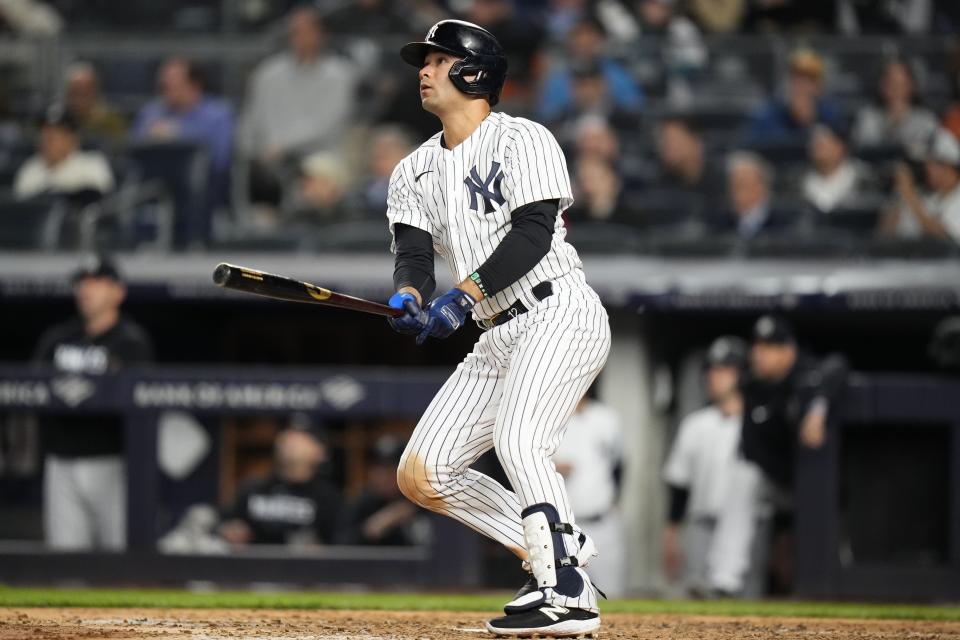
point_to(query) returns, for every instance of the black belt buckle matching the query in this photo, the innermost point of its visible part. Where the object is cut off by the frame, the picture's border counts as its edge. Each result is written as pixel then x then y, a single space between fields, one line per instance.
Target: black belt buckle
pixel 541 292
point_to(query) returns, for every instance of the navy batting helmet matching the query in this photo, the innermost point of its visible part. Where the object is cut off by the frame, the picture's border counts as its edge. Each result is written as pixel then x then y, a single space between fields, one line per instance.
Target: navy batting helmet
pixel 482 56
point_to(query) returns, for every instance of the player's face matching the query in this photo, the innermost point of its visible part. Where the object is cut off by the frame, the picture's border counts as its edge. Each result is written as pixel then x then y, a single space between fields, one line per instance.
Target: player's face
pixel 772 362
pixel 437 93
pixel 96 296
pixel 721 382
pixel 298 455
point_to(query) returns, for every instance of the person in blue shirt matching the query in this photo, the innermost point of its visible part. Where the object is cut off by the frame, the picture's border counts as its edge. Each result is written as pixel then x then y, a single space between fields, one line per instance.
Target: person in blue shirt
pixel 586 42
pixel 183 111
pixel 791 117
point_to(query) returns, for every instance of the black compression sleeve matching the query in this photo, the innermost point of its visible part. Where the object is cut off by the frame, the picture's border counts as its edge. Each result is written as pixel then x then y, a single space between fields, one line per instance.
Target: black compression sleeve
pixel 413 266
pixel 679 496
pixel 522 248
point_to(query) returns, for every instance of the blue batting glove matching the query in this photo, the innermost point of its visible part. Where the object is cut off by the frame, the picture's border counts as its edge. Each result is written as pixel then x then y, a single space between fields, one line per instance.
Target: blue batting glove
pixel 413 320
pixel 446 314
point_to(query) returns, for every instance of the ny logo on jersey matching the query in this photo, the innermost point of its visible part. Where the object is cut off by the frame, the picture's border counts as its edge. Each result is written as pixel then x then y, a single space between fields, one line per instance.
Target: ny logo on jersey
pixel 483 188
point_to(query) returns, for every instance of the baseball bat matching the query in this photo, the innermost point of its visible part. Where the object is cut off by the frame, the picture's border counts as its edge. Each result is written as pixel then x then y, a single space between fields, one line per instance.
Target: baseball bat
pixel 271 285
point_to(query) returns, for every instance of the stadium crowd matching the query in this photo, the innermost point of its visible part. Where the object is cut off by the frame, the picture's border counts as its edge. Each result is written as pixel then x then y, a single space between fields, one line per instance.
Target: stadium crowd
pixel 689 127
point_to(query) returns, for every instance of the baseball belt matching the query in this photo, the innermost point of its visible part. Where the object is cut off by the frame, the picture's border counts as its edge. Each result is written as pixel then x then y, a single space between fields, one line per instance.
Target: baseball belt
pixel 541 292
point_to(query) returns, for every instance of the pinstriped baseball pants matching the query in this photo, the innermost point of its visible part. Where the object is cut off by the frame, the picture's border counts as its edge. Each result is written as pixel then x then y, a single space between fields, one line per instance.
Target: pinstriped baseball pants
pixel 514 393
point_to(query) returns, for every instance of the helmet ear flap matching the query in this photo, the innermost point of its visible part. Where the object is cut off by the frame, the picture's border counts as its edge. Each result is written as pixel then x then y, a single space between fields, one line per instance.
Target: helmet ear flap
pixel 485 81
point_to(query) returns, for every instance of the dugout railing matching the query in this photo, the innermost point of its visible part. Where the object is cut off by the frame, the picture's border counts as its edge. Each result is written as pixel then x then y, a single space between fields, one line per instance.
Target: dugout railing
pixel 827 545
pixel 139 397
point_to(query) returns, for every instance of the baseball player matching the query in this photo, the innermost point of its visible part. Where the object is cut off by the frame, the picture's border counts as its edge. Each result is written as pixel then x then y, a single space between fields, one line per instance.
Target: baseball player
pixel 700 472
pixel 487 193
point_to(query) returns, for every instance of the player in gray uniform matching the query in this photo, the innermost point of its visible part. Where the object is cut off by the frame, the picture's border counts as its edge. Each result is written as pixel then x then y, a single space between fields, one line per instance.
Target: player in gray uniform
pixel 487 193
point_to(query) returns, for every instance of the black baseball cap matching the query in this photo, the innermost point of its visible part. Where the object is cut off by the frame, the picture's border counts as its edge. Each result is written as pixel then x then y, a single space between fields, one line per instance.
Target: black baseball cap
pixel 773 329
pixel 727 351
pixel 96 266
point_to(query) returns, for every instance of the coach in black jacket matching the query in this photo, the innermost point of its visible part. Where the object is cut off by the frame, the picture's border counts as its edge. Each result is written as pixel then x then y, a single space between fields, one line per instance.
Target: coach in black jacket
pixel 788 398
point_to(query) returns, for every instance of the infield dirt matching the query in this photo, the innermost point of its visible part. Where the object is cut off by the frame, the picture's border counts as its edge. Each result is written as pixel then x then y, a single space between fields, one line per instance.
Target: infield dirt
pixel 247 624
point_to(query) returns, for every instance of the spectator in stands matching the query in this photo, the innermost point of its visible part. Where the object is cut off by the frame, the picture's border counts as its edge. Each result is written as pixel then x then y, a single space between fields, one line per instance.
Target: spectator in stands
pixel 789 119
pixel 702 459
pixel 718 16
pixel 60 167
pixel 323 189
pixel 684 163
pixel 95 117
pixel 585 52
pixel 184 111
pixel 937 213
pixel 834 179
pixel 591 97
pixel 380 515
pixel 30 18
pixel 789 399
pixel 749 184
pixel 386 148
pixel 896 117
pixel 599 193
pixel 678 44
pixel 590 459
pixel 298 102
pixel 593 137
pixel 85 480
pixel 294 505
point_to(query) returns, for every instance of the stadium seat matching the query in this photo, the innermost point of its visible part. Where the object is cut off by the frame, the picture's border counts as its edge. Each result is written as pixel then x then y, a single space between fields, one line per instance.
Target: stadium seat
pixel 363 236
pixel 912 248
pixel 662 209
pixel 183 170
pixel 782 152
pixel 859 220
pixel 815 245
pixel 30 224
pixel 879 153
pixel 605 238
pixel 671 245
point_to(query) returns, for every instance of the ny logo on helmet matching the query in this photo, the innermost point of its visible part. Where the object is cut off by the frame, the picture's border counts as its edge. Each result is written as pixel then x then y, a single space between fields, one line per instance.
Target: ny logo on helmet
pixel 433 30
pixel 488 188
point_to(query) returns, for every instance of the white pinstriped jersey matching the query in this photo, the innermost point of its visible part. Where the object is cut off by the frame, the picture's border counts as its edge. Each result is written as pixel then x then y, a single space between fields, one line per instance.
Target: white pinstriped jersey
pixel 463 197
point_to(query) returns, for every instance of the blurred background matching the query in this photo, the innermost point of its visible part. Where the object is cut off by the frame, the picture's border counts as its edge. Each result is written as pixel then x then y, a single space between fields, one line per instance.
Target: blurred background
pixel 767 200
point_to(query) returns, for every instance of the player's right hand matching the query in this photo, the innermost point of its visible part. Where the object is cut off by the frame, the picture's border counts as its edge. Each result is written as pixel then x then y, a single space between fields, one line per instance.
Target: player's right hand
pixel 414 318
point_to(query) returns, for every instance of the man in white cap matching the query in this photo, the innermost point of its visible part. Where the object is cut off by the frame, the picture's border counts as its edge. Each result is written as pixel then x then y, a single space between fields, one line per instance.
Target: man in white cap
pixel 936 214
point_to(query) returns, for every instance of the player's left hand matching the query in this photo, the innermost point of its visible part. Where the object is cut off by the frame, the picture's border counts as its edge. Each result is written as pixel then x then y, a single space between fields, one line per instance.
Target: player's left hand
pixel 446 314
pixel 414 318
